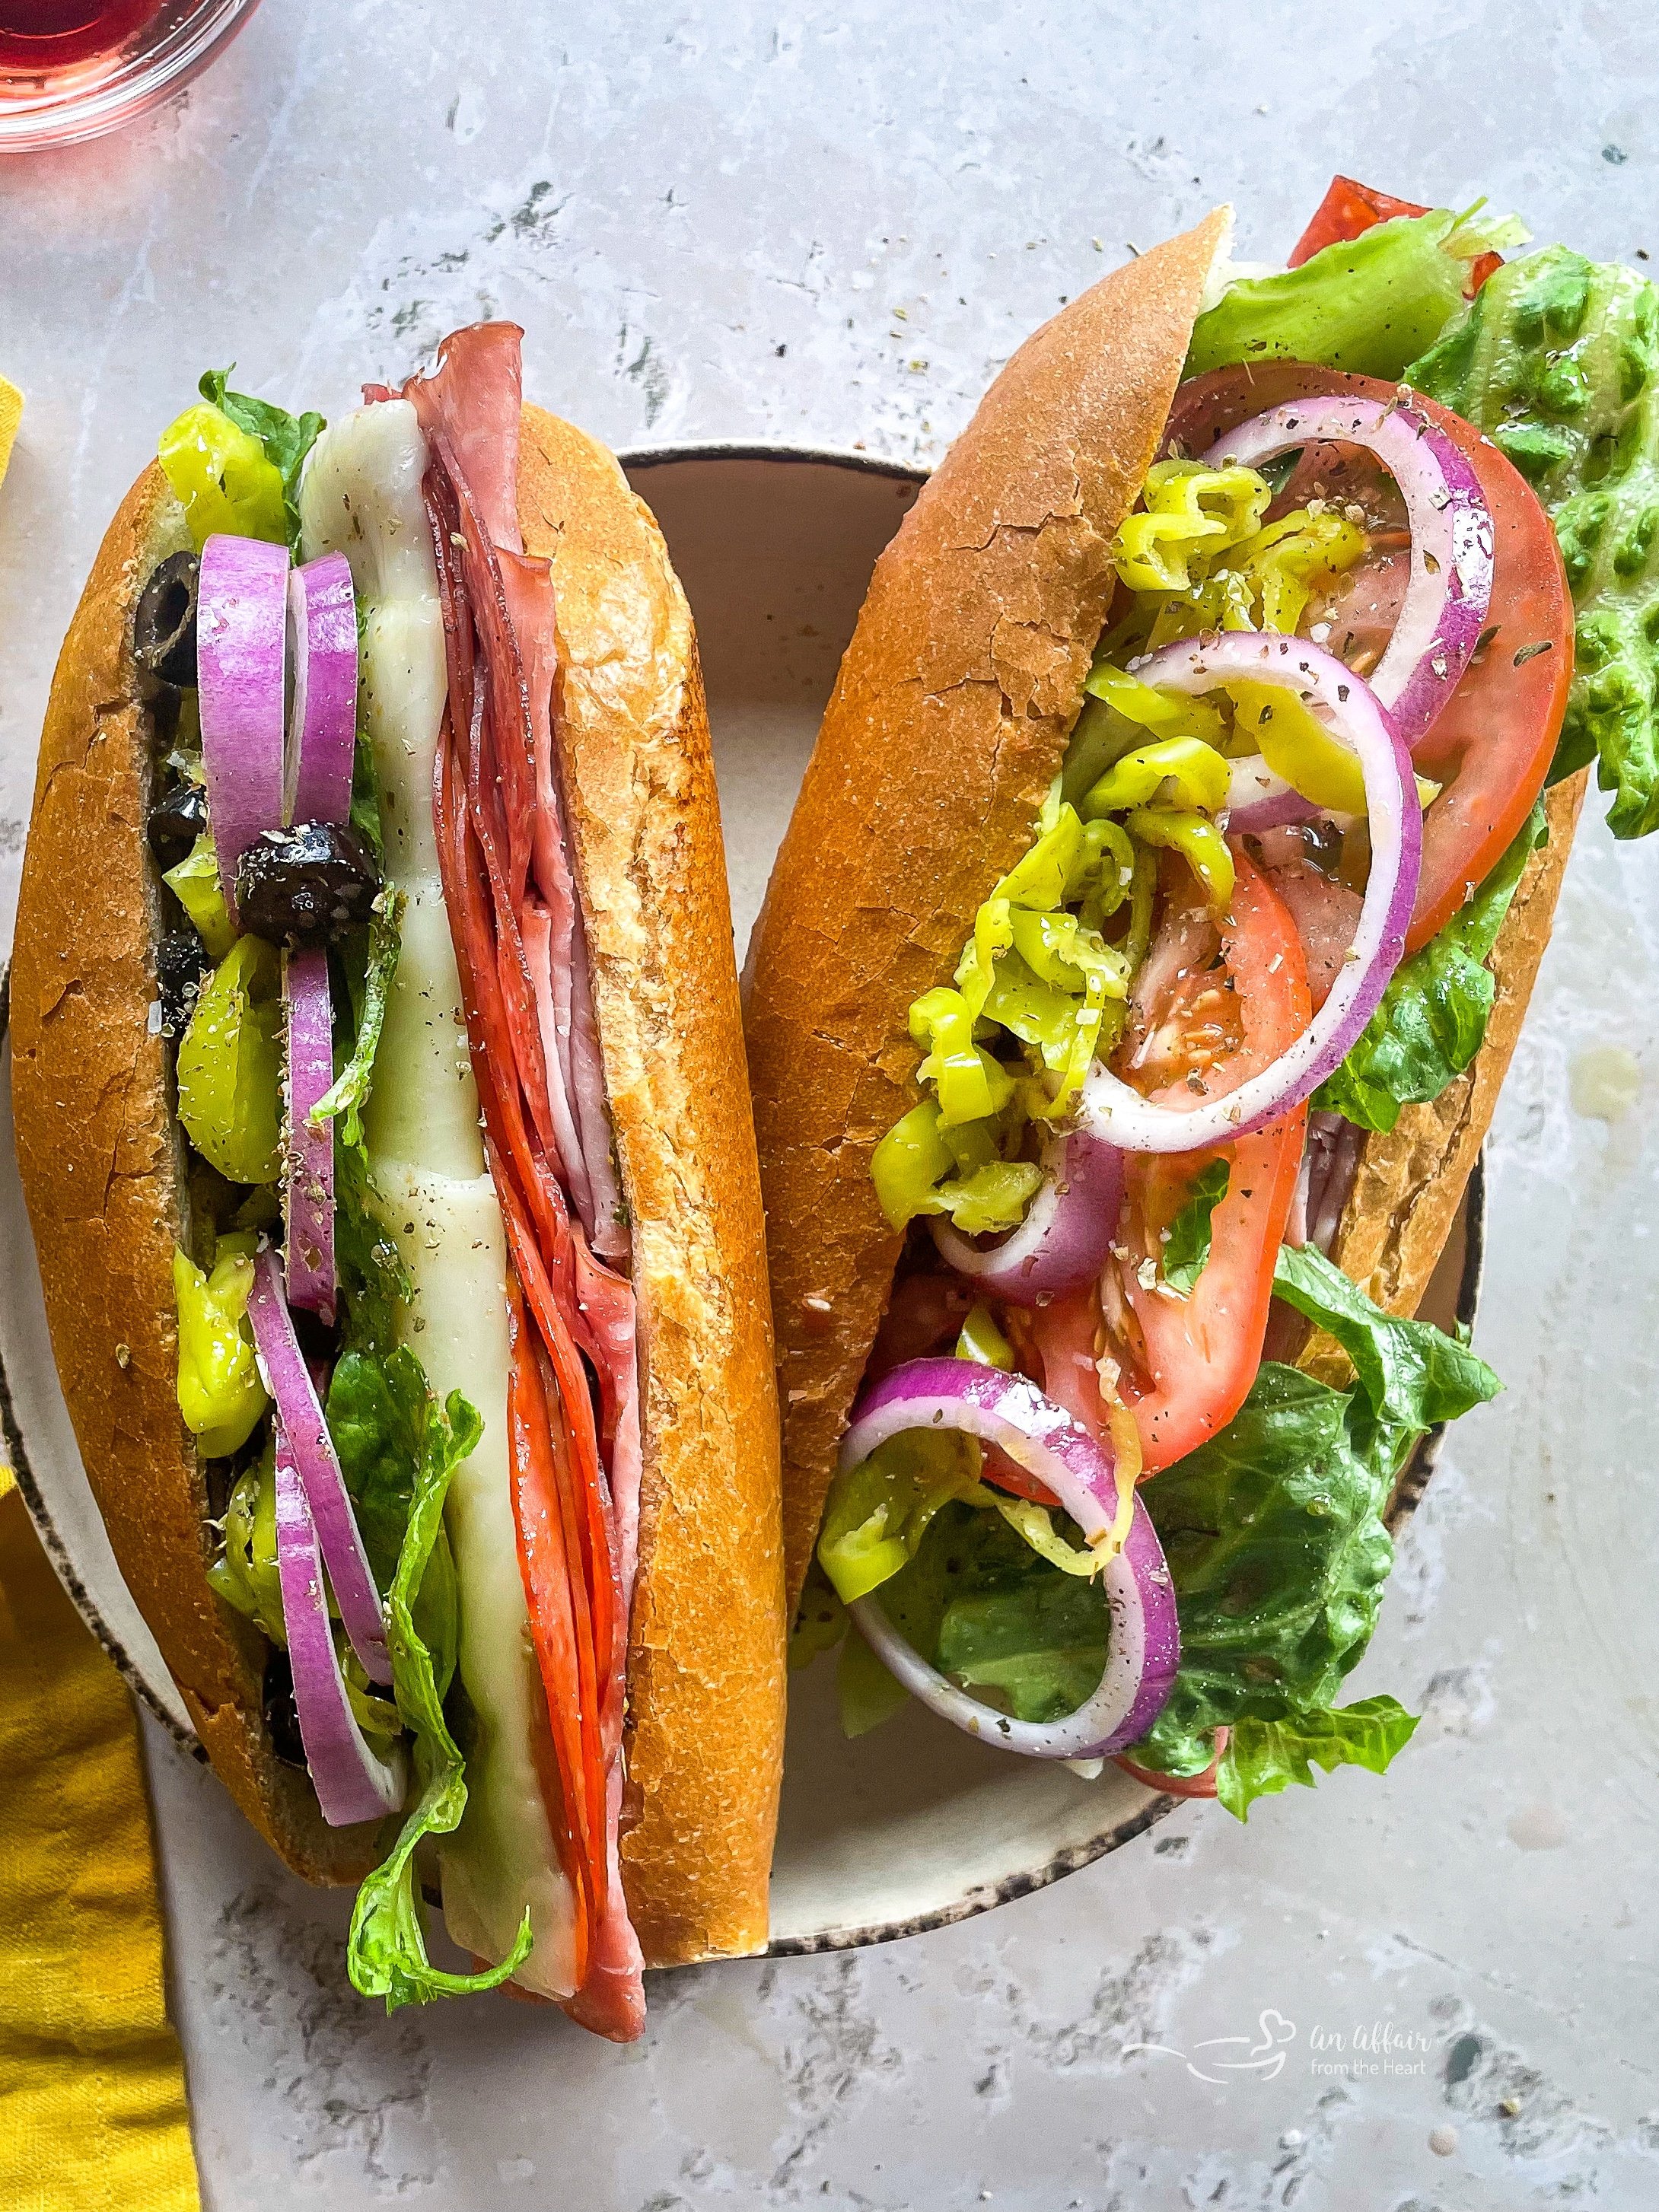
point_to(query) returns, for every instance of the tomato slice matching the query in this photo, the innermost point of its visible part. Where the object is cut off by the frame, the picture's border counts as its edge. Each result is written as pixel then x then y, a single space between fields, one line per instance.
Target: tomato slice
pixel 1350 208
pixel 1187 1364
pixel 1492 742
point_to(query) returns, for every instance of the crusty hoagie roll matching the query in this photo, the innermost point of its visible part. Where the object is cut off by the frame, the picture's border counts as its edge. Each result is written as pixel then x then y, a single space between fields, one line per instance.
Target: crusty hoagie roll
pixel 378 1088
pixel 1139 968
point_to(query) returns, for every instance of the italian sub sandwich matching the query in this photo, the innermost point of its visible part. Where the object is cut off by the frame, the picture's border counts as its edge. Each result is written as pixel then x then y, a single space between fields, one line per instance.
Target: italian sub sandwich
pixel 1138 970
pixel 378 1087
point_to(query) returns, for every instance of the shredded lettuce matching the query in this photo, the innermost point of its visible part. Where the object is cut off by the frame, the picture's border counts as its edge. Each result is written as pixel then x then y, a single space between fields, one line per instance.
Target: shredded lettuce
pixel 386 1954
pixel 1433 1018
pixel 379 1412
pixel 1368 305
pixel 1263 1756
pixel 372 993
pixel 1556 362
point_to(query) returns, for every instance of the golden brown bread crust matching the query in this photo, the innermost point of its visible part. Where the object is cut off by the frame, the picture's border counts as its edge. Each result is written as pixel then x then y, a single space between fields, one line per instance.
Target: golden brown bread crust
pixel 948 721
pixel 103 1173
pixel 1410 1181
pixel 706 1666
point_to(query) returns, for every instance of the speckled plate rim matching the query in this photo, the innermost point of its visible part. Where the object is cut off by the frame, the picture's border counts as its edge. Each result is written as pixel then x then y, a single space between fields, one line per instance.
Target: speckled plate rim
pixel 981 1897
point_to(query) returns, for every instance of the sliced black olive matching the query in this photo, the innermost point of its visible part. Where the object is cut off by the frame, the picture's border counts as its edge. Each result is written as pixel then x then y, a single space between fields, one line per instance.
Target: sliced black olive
pixel 182 966
pixel 176 821
pixel 304 886
pixel 164 627
pixel 282 1715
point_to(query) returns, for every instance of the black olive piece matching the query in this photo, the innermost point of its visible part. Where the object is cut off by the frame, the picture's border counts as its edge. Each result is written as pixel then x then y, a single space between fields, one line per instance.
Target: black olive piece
pixel 304 886
pixel 164 627
pixel 282 1714
pixel 178 819
pixel 182 966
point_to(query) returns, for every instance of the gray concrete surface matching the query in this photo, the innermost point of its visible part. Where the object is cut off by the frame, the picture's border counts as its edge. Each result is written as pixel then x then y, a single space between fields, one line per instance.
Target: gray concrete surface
pixel 723 220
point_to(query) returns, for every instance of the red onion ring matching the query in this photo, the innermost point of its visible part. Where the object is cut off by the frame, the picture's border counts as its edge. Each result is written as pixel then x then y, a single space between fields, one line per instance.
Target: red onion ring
pixel 353 1782
pixel 299 1417
pixel 1143 1648
pixel 308 1153
pixel 1194 666
pixel 1068 1231
pixel 1449 587
pixel 241 633
pixel 1259 799
pixel 322 734
pixel 1007 1410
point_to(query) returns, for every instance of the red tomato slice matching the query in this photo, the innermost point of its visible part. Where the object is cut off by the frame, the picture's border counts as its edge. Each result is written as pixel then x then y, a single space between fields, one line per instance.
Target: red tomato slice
pixel 1349 209
pixel 1202 1025
pixel 1492 742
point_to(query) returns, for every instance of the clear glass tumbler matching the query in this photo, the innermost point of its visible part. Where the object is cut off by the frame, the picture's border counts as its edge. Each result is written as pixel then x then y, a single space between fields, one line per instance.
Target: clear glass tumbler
pixel 74 68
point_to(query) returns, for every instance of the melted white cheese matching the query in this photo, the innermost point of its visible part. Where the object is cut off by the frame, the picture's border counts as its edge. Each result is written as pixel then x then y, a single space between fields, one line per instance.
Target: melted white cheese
pixel 362 496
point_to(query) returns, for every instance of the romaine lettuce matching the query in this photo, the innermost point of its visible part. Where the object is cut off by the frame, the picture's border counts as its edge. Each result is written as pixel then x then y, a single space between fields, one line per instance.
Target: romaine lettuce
pixel 1263 1756
pixel 1368 305
pixel 1556 362
pixel 1433 1018
pixel 387 1955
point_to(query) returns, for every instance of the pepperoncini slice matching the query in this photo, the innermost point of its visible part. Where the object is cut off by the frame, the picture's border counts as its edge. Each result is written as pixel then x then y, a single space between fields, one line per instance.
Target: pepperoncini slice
pixel 1197 839
pixel 1197 772
pixel 223 476
pixel 230 1065
pixel 194 882
pixel 220 1393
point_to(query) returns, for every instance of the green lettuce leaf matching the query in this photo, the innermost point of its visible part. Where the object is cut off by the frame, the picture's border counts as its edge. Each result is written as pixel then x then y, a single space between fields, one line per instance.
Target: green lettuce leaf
pixel 387 1955
pixel 1264 1756
pixel 371 995
pixel 373 1281
pixel 1274 1537
pixel 287 439
pixel 1188 1251
pixel 381 1414
pixel 1433 1018
pixel 1556 361
pixel 1368 305
pixel 1414 1375
pixel 979 1603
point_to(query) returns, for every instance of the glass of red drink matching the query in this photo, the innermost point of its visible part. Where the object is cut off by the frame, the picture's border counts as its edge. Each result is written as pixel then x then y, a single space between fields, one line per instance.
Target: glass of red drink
pixel 73 68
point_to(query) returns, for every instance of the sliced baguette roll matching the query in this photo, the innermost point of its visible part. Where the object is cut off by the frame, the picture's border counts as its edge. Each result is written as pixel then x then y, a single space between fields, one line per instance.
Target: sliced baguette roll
pixel 103 1166
pixel 949 720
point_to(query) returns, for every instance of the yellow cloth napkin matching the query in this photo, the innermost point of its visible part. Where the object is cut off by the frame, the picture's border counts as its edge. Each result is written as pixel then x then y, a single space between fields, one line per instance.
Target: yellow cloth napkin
pixel 93 2115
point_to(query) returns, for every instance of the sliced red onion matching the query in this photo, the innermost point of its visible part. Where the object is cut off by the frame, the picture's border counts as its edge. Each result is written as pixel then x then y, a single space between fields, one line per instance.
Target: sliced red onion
pixel 1143 1647
pixel 1450 588
pixel 1353 713
pixel 1259 799
pixel 242 639
pixel 289 1381
pixel 308 1152
pixel 322 630
pixel 1007 1410
pixel 1068 1231
pixel 353 1782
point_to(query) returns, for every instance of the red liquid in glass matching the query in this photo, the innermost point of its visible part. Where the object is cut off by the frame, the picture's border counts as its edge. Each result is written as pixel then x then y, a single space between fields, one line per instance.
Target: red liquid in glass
pixel 43 36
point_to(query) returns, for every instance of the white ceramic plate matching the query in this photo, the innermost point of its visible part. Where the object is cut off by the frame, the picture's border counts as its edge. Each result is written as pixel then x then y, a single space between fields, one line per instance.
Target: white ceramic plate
pixel 913 1825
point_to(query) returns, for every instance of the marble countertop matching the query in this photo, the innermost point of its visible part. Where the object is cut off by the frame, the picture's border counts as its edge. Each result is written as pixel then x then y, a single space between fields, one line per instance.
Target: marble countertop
pixel 718 221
